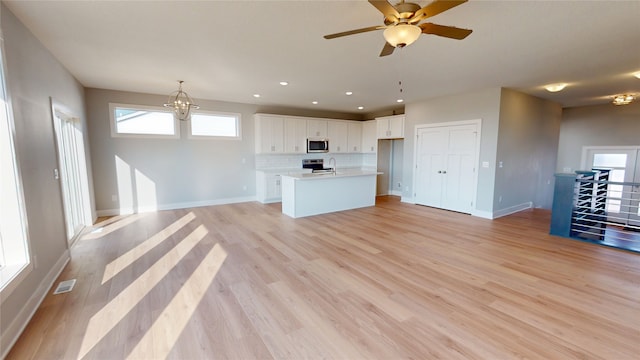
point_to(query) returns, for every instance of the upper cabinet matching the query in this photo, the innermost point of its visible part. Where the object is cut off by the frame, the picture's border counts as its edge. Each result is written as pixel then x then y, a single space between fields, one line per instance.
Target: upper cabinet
pixel 337 135
pixel 354 136
pixel 269 134
pixel 369 136
pixel 391 127
pixel 317 128
pixel 295 135
pixel 283 134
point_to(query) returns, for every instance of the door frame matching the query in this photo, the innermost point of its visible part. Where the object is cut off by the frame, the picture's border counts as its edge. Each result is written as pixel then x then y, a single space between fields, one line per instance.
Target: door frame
pixel 478 124
pixel 83 172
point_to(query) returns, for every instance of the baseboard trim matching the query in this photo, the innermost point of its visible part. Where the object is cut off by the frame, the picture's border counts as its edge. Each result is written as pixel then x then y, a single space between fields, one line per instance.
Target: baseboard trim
pixel 512 209
pixel 183 205
pixel 396 193
pixel 407 199
pixel 482 214
pixel 12 333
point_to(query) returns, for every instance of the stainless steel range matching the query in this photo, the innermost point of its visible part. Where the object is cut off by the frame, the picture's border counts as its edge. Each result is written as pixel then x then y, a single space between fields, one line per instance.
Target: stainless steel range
pixel 316 166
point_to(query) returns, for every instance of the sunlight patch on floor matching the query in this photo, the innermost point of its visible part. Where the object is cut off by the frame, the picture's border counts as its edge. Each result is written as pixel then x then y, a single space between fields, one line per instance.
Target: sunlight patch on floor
pixel 165 331
pixel 115 310
pixel 118 223
pixel 126 259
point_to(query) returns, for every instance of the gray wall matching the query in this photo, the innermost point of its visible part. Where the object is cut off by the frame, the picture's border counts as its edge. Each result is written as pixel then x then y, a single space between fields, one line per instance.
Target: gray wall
pixel 527 147
pixel 185 172
pixel 483 104
pixel 397 162
pixel 598 125
pixel 33 76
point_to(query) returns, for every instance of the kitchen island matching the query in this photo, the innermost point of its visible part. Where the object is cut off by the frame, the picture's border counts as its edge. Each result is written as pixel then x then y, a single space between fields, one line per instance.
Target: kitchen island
pixel 313 193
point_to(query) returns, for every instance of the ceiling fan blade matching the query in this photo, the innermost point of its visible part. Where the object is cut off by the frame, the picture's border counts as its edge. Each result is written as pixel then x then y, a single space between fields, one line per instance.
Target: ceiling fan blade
pixel 434 9
pixel 446 31
pixel 387 49
pixel 351 32
pixel 385 8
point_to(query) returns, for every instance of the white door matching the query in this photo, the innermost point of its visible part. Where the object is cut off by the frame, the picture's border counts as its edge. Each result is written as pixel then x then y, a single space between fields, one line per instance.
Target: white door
pixel 72 174
pixel 622 201
pixel 431 145
pixel 445 166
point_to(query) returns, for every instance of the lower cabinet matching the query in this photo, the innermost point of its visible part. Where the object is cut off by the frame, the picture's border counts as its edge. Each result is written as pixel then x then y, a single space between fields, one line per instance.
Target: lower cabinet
pixel 268 187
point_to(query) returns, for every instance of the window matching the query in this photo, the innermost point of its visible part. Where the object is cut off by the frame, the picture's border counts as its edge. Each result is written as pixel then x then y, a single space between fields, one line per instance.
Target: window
pixel 15 261
pixel 143 121
pixel 215 125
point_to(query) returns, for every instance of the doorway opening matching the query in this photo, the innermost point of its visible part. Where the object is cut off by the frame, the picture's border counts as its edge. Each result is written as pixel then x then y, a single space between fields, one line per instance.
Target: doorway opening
pixel 623 192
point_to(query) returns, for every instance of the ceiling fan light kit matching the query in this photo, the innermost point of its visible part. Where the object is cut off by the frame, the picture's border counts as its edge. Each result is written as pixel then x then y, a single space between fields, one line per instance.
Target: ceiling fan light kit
pixel 181 103
pixel 402 23
pixel 402 34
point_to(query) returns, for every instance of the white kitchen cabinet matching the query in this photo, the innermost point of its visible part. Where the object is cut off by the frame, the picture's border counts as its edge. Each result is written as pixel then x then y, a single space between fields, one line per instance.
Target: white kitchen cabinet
pixel 295 135
pixel 369 136
pixel 354 136
pixel 391 127
pixel 337 134
pixel 317 128
pixel 268 187
pixel 269 132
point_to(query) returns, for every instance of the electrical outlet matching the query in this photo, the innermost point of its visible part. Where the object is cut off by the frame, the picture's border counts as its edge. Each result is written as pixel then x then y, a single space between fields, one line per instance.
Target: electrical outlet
pixel 399 185
pixel 244 188
pixel 500 199
pixel 114 197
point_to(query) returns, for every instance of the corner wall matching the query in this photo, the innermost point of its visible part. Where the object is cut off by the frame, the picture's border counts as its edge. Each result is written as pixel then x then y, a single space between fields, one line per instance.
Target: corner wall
pixel 597 125
pixel 483 104
pixel 167 173
pixel 33 76
pixel 527 148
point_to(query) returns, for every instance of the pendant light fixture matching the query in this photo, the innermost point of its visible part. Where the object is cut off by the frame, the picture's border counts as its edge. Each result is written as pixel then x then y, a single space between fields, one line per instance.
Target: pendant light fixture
pixel 181 103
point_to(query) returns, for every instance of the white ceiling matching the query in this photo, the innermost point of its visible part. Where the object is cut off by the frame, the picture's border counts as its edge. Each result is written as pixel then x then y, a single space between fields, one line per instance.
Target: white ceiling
pixel 230 50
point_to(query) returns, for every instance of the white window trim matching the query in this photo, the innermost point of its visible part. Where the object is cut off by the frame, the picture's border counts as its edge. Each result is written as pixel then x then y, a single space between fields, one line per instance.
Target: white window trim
pixel 115 134
pixel 11 275
pixel 238 117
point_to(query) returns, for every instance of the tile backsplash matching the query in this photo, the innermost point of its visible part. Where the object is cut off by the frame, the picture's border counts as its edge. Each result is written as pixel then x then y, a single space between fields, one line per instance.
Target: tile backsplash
pixel 294 161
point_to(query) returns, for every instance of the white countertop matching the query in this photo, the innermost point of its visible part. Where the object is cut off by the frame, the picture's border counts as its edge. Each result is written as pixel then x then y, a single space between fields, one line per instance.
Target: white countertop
pixel 338 174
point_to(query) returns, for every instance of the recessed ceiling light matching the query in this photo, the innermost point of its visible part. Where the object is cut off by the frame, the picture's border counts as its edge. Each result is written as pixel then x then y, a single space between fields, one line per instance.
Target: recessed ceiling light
pixel 637 74
pixel 360 107
pixel 284 83
pixel 349 93
pixel 314 102
pixel 399 100
pixel 555 87
pixel 256 95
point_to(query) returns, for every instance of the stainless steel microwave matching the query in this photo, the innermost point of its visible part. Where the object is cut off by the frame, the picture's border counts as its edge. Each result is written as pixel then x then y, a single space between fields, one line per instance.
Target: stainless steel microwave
pixel 317 145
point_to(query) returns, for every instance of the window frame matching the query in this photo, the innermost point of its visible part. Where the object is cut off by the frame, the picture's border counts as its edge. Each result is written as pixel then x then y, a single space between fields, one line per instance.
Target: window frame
pixel 116 134
pixel 237 116
pixel 12 274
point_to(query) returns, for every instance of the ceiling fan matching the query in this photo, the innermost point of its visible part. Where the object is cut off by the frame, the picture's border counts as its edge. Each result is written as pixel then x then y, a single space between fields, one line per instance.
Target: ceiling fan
pixel 402 23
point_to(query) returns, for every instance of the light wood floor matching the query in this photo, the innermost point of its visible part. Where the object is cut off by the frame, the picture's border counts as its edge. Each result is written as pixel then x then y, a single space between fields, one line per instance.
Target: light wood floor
pixel 392 281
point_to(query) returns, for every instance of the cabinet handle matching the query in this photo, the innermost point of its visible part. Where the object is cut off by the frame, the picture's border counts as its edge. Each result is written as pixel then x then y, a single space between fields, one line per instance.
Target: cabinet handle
pixel 338 148
pixel 439 172
pixel 273 148
pixel 372 148
pixel 444 171
pixel 296 147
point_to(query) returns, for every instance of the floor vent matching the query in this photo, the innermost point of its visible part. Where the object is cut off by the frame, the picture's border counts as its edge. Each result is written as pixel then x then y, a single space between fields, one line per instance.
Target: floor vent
pixel 65 286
